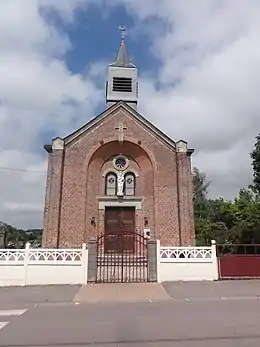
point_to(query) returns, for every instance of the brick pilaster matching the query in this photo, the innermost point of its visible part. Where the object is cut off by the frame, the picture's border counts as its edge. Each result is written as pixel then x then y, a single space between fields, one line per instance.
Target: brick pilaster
pixel 185 196
pixel 53 196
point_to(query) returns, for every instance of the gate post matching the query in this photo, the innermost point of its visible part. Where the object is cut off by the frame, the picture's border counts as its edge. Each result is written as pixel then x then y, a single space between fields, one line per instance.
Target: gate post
pixel 92 260
pixel 152 260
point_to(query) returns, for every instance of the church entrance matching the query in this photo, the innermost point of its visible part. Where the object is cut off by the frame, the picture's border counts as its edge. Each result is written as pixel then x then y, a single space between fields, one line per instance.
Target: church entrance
pixel 119 229
pixel 122 254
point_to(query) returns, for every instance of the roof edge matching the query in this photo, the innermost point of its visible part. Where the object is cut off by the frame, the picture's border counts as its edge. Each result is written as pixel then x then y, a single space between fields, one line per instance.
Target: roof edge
pixel 166 139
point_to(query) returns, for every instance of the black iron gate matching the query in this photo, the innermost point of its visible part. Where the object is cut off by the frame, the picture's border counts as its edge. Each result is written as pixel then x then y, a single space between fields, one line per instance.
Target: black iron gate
pixel 122 257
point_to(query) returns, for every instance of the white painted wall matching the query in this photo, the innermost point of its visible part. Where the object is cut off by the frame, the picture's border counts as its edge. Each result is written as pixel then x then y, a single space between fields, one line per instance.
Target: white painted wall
pixel 43 266
pixel 12 275
pixel 188 263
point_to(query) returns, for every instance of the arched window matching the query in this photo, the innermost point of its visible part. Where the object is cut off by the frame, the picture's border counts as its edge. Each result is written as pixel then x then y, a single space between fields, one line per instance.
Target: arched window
pixel 129 184
pixel 110 184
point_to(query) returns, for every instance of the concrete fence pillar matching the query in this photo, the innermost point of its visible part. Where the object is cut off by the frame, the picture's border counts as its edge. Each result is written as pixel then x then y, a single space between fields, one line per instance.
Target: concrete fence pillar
pixel 84 263
pixel 214 260
pixel 92 260
pixel 158 243
pixel 152 260
pixel 26 261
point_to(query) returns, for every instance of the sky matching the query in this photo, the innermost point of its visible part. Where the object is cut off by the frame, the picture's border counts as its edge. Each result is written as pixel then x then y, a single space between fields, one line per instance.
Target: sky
pixel 199 80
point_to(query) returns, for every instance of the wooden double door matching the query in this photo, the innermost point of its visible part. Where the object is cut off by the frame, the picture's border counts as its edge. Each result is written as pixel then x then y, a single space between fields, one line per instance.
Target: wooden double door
pixel 120 230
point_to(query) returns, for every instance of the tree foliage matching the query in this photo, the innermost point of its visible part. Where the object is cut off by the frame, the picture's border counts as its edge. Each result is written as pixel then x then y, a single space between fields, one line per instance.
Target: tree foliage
pixel 255 156
pixel 11 237
pixel 235 221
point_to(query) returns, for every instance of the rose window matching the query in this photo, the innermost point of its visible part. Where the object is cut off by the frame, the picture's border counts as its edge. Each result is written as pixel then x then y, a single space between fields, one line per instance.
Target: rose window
pixel 120 163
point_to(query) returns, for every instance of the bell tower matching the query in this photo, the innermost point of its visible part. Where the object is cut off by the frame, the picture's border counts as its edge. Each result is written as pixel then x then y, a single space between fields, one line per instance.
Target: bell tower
pixel 122 81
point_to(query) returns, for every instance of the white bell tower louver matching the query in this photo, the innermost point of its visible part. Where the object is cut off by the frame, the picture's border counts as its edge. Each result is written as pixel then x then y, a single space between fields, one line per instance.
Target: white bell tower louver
pixel 122 81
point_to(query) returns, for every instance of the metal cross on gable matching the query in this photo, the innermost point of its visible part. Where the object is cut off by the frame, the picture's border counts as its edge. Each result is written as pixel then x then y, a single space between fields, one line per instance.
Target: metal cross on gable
pixel 121 128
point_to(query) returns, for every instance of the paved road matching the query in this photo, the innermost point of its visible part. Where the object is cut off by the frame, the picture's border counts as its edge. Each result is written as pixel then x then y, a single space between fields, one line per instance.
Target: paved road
pixel 196 323
pixel 213 290
pixel 23 297
pixel 194 316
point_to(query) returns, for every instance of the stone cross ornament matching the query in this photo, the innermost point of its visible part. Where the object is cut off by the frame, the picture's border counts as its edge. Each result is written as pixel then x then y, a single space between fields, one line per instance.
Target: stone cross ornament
pixel 120 128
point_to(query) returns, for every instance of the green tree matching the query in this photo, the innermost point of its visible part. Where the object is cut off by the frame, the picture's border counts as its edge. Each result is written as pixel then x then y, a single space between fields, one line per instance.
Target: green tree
pixel 3 235
pixel 236 221
pixel 11 237
pixel 247 228
pixel 255 156
pixel 200 193
pixel 200 185
pixel 201 207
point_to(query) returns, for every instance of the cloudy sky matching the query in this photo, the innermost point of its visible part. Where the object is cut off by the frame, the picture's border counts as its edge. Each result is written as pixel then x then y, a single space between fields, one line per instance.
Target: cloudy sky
pixel 199 68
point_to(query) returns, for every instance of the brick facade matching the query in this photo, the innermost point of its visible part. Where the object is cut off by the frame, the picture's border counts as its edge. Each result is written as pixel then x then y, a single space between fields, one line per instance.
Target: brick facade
pixel 74 206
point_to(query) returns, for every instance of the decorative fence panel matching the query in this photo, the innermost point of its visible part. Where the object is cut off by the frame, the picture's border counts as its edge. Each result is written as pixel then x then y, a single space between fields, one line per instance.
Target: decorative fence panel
pixel 12 256
pixel 55 256
pixel 186 254
pixel 188 263
pixel 43 266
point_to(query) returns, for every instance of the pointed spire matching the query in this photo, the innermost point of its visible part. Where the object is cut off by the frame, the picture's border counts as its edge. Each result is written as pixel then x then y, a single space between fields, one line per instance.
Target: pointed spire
pixel 122 59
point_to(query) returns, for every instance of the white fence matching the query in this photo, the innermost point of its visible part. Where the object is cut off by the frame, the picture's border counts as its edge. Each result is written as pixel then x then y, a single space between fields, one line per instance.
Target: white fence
pixel 20 267
pixel 43 266
pixel 187 263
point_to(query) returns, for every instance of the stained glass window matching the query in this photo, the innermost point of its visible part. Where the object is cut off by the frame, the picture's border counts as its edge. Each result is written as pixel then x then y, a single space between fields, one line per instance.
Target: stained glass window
pixel 129 184
pixel 111 184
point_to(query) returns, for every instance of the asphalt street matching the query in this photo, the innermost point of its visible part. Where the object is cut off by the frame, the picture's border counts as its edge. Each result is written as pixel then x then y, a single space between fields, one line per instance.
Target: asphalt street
pixel 190 321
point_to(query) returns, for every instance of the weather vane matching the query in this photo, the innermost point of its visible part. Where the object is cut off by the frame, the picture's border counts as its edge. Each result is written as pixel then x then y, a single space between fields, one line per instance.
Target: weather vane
pixel 123 32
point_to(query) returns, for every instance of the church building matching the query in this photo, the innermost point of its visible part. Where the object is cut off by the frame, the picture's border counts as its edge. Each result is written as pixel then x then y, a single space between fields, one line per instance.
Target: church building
pixel 118 173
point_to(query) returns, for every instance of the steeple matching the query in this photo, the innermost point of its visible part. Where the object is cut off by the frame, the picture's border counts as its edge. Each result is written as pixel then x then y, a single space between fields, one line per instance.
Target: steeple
pixel 122 77
pixel 122 59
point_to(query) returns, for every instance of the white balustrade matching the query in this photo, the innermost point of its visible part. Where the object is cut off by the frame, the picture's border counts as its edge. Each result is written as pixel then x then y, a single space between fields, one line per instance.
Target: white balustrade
pixel 187 263
pixel 43 266
pixel 54 256
pixel 185 254
pixel 41 256
pixel 12 256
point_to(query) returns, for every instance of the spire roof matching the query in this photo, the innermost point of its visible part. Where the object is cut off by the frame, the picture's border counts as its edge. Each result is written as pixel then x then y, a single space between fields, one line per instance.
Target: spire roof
pixel 122 59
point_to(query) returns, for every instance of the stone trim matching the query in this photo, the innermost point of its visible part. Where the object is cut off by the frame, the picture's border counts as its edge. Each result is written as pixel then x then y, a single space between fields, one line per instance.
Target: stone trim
pixel 116 172
pixel 108 171
pixel 57 143
pixel 115 202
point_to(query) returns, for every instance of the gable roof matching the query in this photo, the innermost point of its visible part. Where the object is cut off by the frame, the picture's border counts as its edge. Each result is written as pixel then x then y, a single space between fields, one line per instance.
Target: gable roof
pixel 137 116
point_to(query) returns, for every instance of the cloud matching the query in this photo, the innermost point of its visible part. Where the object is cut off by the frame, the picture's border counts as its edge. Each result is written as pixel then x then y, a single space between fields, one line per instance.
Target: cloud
pixel 38 96
pixel 206 90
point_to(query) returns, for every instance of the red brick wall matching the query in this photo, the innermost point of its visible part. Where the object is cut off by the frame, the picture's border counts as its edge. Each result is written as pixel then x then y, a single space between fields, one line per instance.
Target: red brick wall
pixel 187 231
pixel 53 199
pixel 85 161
